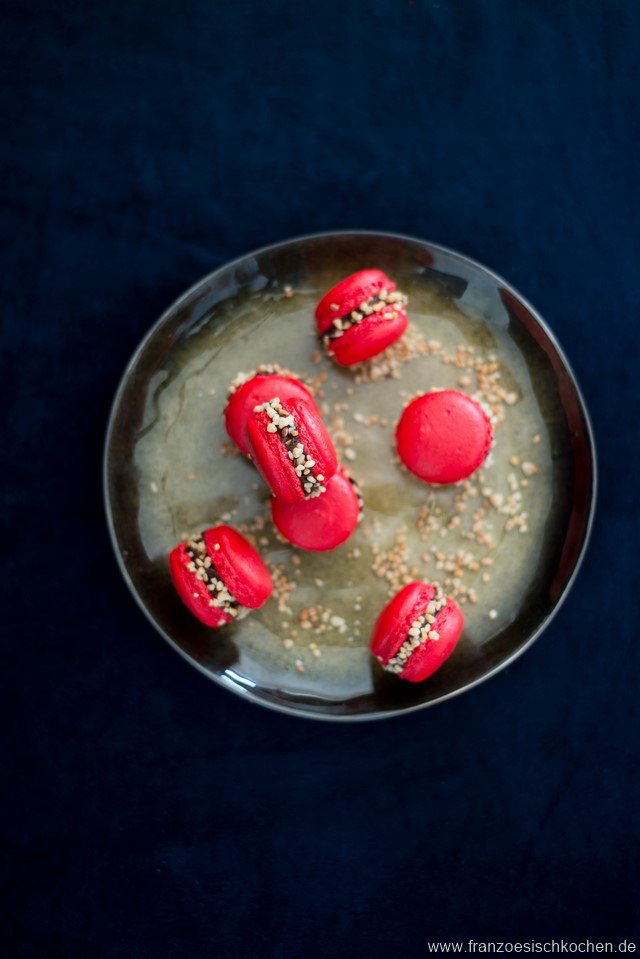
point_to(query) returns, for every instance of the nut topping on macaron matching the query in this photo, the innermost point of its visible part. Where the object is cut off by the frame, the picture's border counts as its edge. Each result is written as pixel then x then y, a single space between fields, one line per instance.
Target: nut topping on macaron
pixel 361 316
pixel 219 576
pixel 416 631
pixel 290 445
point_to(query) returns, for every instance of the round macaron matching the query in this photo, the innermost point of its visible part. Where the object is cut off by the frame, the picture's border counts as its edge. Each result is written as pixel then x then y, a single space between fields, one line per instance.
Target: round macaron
pixel 291 447
pixel 361 316
pixel 219 576
pixel 416 631
pixel 248 390
pixel 443 437
pixel 323 522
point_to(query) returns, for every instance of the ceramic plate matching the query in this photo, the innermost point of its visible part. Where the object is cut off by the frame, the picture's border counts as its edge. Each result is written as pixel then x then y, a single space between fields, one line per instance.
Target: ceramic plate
pixel 507 543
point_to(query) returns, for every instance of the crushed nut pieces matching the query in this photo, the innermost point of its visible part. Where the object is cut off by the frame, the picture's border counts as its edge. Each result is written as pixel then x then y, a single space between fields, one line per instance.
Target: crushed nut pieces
pixel 284 424
pixel 384 302
pixel 202 565
pixel 421 630
pixel 265 369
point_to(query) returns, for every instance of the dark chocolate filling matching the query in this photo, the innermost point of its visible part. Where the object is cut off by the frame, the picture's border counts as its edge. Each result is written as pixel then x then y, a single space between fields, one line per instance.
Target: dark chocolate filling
pixel 358 492
pixel 343 323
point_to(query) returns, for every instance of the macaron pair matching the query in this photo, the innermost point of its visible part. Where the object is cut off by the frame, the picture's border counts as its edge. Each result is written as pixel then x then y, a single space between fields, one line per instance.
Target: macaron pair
pixel 272 417
pixel 316 505
pixel 443 437
pixel 361 316
pixel 416 631
pixel 219 576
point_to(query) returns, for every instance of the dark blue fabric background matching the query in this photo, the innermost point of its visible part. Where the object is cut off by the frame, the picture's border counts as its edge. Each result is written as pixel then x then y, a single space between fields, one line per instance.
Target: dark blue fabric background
pixel 147 812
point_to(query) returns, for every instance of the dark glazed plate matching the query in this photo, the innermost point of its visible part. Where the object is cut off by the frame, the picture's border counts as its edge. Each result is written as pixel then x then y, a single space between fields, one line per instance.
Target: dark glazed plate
pixel 192 346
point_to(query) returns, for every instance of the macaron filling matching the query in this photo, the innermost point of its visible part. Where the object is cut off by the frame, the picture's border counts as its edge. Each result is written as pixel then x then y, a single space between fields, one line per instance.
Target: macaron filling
pixel 421 630
pixel 202 565
pixel 358 492
pixel 384 302
pixel 284 425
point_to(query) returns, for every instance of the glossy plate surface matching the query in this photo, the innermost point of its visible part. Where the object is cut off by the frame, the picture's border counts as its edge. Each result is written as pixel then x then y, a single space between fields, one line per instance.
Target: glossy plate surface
pixel 166 475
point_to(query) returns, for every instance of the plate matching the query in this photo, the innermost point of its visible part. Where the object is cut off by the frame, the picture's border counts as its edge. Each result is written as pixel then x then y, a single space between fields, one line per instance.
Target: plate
pixel 508 542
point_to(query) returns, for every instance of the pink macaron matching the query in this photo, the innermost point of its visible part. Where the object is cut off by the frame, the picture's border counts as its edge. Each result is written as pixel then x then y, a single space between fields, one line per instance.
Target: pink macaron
pixel 324 522
pixel 219 576
pixel 361 316
pixel 443 437
pixel 416 631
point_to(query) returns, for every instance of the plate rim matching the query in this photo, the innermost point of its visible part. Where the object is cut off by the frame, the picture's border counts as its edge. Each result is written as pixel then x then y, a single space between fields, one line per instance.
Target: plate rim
pixel 238 688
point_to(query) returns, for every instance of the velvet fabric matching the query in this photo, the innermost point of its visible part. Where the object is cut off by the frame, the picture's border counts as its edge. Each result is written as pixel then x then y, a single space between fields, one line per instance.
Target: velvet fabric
pixel 147 813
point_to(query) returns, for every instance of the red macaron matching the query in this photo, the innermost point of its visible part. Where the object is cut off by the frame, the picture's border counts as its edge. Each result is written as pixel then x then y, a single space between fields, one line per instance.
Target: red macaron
pixel 416 631
pixel 219 576
pixel 443 437
pixel 361 316
pixel 323 522
pixel 291 447
pixel 247 391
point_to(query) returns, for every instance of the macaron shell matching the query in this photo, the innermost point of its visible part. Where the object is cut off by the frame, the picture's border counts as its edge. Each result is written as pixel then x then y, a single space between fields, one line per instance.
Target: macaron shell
pixel 259 389
pixel 240 566
pixel 393 624
pixel 430 655
pixel 272 459
pixel 348 294
pixel 323 522
pixel 192 591
pixel 368 338
pixel 443 437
